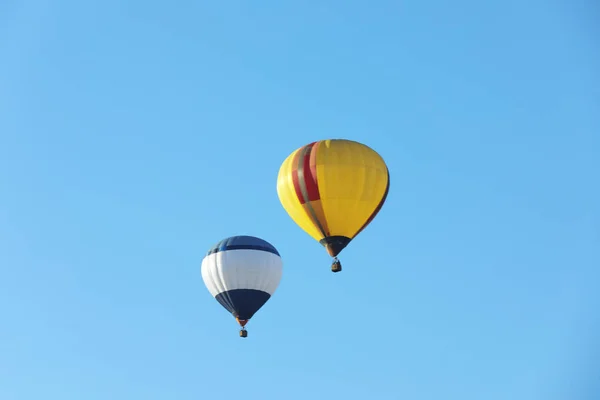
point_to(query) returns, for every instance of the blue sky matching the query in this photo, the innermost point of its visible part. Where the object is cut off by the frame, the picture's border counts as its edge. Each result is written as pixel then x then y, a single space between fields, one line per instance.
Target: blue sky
pixel 134 135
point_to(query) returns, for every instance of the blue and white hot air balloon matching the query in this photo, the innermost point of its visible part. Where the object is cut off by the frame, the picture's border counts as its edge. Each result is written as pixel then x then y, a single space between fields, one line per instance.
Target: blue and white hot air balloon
pixel 242 273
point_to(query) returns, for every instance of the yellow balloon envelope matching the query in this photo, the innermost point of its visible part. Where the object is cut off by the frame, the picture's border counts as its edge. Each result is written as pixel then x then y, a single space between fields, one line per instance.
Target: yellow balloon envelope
pixel 333 189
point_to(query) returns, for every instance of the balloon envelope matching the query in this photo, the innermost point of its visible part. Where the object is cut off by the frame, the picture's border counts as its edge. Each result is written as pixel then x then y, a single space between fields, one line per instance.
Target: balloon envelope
pixel 242 273
pixel 333 189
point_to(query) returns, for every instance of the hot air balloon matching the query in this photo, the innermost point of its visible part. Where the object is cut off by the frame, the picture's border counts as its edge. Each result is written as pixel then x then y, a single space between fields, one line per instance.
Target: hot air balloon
pixel 333 189
pixel 242 273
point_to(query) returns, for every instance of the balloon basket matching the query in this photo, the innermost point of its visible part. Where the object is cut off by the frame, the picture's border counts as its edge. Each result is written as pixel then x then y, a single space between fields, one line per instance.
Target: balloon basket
pixel 336 266
pixel 243 333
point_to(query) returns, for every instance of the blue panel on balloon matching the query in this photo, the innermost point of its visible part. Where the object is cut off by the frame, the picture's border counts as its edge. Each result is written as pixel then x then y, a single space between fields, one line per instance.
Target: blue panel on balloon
pixel 243 303
pixel 243 243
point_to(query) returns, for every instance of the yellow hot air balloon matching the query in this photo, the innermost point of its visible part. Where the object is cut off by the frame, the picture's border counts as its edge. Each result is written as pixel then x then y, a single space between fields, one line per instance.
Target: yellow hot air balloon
pixel 333 189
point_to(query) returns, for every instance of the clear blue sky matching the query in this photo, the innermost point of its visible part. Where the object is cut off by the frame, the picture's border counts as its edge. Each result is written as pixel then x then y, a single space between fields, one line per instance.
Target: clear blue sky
pixel 135 134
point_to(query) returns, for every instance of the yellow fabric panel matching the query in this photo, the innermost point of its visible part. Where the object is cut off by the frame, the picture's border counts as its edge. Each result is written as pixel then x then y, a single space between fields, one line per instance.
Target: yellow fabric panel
pixel 317 208
pixel 352 180
pixel 289 200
